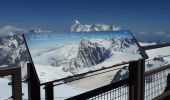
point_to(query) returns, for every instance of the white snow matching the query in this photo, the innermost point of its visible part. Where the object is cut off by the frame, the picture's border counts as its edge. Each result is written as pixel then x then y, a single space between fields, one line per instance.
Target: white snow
pixel 5 89
pixel 48 73
pixel 61 92
pixel 160 52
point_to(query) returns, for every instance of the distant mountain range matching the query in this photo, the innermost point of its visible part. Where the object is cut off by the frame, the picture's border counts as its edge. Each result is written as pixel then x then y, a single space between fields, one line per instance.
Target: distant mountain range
pixel 13 51
pixel 78 27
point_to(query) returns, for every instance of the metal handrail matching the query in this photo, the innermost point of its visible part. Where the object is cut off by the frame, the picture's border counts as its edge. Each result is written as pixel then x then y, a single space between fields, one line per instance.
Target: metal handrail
pixel 156 70
pixel 15 72
pixel 155 46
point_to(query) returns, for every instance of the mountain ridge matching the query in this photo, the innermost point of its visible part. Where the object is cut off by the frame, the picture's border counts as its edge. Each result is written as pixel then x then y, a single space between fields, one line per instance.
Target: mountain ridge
pixel 78 27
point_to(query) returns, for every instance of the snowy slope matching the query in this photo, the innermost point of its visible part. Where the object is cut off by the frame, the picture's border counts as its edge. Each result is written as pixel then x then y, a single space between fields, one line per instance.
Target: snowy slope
pixel 13 51
pixel 158 53
pixel 61 92
pixel 5 89
pixel 150 62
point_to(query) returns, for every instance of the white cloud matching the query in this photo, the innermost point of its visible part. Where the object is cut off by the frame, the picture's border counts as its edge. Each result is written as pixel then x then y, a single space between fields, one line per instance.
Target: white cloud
pixel 8 30
pixel 143 33
pixel 168 35
pixel 160 33
pixel 152 33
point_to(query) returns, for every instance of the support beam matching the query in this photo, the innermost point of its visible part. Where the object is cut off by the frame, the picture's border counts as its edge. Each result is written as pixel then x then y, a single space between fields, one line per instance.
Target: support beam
pixel 167 87
pixel 15 72
pixel 49 92
pixel 33 83
pixel 17 85
pixel 137 83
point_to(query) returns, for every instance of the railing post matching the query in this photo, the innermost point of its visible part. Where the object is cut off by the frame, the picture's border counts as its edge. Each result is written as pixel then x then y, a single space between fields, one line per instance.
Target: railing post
pixel 17 85
pixel 33 83
pixel 167 87
pixel 15 72
pixel 167 84
pixel 136 83
pixel 49 92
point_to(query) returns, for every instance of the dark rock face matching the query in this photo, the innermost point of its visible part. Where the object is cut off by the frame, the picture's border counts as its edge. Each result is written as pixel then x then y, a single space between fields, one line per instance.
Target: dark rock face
pixel 121 74
pixel 90 54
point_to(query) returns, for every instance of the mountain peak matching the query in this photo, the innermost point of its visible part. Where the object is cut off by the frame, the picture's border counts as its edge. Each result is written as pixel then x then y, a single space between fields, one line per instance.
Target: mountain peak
pixel 76 22
pixel 78 27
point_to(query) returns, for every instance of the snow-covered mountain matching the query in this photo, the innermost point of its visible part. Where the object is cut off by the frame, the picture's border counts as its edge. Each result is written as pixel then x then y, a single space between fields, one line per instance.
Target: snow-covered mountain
pixel 156 59
pixel 13 51
pixel 78 27
pixel 122 73
pixel 93 52
pixel 83 55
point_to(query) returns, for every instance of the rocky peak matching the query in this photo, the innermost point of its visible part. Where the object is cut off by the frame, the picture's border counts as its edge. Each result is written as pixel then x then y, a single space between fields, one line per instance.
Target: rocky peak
pixel 78 27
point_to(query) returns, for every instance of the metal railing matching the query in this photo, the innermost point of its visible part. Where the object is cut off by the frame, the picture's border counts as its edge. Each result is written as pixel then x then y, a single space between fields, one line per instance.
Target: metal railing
pixel 120 93
pixel 156 81
pixel 123 89
pixel 15 73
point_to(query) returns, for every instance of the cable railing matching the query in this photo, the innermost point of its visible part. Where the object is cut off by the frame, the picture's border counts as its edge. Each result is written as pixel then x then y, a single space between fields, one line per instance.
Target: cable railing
pixel 156 81
pixel 15 73
pixel 120 93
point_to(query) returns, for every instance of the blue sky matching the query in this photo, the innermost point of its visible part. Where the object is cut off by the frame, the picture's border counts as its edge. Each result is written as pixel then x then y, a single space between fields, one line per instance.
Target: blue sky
pixel 144 15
